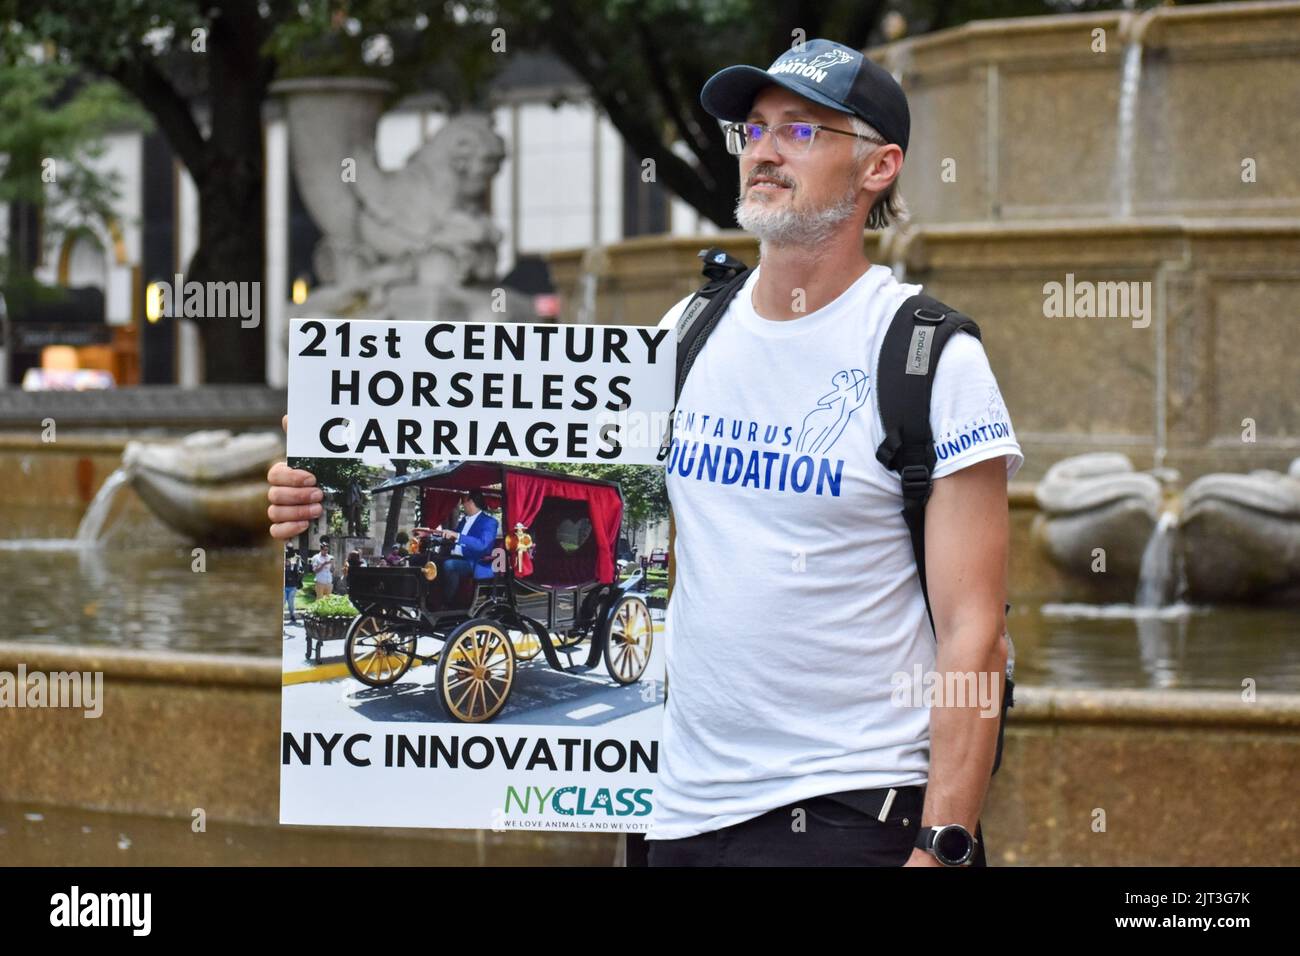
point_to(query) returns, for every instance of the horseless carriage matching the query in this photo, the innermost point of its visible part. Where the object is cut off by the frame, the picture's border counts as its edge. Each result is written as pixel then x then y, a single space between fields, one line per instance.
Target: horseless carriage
pixel 553 586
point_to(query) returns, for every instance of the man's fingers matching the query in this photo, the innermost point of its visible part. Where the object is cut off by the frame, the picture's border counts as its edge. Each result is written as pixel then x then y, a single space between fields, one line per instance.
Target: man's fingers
pixel 282 495
pixel 289 529
pixel 294 497
pixel 293 512
pixel 281 474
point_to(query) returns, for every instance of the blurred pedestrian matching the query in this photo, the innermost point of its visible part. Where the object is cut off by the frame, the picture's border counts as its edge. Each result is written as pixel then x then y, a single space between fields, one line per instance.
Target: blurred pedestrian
pixel 353 562
pixel 322 565
pixel 293 572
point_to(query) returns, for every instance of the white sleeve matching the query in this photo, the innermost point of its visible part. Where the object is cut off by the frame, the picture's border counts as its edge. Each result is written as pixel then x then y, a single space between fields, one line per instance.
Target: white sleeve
pixel 968 417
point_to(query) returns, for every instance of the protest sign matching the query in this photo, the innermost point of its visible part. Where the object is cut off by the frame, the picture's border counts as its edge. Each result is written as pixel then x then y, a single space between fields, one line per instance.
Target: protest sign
pixel 497 664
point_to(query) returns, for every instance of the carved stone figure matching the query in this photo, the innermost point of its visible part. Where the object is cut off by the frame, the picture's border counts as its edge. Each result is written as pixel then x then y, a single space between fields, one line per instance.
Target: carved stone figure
pixel 1234 537
pixel 412 243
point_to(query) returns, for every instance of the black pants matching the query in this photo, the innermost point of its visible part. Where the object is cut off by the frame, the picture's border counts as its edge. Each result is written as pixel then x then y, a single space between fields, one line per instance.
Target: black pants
pixel 832 834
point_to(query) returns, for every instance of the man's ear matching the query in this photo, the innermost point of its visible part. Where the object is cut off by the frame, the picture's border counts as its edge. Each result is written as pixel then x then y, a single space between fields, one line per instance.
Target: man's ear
pixel 875 176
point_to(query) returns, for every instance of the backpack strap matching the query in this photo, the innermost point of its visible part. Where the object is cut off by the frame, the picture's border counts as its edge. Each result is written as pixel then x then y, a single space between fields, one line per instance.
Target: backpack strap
pixel 725 276
pixel 909 357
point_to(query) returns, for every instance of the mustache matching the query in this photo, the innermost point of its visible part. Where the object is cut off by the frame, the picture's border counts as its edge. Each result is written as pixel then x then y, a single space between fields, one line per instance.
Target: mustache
pixel 768 173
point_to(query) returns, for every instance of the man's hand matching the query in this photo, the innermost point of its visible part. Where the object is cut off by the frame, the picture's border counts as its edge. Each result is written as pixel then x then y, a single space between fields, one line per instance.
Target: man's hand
pixel 294 497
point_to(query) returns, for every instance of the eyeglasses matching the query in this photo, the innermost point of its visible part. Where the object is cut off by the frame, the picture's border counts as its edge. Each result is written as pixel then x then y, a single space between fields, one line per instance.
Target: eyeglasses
pixel 790 139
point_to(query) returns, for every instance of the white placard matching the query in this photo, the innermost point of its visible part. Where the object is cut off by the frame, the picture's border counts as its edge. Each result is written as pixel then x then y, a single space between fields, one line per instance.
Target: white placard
pixel 463 390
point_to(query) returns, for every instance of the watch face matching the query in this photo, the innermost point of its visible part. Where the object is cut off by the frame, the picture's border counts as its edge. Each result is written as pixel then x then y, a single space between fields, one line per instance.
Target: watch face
pixel 952 845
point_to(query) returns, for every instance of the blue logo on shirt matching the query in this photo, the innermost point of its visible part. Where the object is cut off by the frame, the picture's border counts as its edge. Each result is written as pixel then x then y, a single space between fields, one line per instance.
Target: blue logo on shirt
pixel 823 426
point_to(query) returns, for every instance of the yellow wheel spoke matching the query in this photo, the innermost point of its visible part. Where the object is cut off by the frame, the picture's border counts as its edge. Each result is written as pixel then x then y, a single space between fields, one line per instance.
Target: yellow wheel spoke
pixel 476 676
pixel 456 706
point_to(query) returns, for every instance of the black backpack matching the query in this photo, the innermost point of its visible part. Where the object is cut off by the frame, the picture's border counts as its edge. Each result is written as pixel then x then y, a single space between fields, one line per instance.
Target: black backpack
pixel 909 356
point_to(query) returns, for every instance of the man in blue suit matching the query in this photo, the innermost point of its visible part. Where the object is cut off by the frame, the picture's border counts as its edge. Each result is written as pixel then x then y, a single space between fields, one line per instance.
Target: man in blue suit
pixel 475 534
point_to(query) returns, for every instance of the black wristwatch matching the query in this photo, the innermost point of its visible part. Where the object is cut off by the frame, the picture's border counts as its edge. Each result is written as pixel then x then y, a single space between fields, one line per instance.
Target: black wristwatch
pixel 951 844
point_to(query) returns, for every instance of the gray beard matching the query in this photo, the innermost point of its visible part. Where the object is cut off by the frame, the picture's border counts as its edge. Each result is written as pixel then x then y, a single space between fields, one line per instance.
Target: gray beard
pixel 795 227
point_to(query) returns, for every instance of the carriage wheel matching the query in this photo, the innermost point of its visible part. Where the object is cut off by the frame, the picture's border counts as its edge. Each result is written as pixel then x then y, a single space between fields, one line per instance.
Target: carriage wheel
pixel 377 652
pixel 528 645
pixel 476 670
pixel 630 635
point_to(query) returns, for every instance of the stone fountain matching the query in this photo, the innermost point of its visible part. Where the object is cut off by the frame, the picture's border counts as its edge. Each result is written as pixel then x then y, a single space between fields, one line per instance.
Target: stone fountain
pixel 210 485
pixel 1225 537
pixel 1240 535
pixel 1073 148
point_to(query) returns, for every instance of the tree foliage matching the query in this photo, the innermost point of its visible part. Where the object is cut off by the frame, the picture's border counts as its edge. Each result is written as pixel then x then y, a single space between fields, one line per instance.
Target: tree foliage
pixel 51 135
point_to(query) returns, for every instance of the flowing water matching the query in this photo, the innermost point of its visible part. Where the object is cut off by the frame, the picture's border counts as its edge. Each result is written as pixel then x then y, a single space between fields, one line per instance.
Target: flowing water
pixel 1162 580
pixel 92 523
pixel 1126 135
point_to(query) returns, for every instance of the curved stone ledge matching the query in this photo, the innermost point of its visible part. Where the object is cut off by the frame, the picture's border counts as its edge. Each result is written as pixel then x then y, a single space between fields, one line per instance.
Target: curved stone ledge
pixel 1166 708
pixel 1163 708
pixel 207 670
pixel 171 406
pixel 99 443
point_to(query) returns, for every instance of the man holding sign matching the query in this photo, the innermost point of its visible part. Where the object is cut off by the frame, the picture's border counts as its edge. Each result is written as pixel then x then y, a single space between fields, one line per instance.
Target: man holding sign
pixel 797 603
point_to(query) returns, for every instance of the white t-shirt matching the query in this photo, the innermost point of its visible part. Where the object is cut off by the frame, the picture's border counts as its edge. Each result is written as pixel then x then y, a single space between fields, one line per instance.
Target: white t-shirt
pixel 796 595
pixel 323 566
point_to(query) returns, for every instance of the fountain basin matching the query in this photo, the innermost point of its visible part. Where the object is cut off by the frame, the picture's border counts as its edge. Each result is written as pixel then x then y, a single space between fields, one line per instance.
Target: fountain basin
pixel 185 731
pixel 182 732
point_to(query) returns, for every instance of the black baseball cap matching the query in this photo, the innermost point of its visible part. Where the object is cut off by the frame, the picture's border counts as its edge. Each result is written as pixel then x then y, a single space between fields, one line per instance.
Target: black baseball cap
pixel 825 72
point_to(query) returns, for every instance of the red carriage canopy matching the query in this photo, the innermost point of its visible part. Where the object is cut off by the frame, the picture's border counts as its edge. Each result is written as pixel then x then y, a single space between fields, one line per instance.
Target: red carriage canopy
pixel 549 505
pixel 527 502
